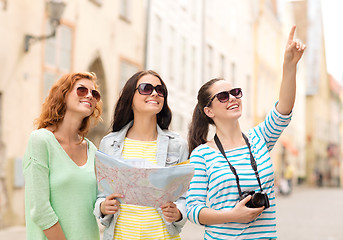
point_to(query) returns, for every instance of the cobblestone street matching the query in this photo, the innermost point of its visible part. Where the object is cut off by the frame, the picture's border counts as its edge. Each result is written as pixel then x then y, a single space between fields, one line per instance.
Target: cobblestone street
pixel 307 214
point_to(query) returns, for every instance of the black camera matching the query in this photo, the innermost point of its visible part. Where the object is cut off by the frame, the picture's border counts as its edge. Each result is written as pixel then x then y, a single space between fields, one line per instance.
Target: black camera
pixel 257 199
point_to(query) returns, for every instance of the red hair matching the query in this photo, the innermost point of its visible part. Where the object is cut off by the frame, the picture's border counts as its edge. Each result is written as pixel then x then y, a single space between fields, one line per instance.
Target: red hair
pixel 54 108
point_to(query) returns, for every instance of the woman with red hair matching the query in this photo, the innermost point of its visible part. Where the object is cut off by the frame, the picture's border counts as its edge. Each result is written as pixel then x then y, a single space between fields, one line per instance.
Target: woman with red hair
pixel 59 170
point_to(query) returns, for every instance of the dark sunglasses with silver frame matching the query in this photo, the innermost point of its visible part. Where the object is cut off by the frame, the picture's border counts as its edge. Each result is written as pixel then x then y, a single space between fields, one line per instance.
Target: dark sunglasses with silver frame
pixel 148 88
pixel 225 95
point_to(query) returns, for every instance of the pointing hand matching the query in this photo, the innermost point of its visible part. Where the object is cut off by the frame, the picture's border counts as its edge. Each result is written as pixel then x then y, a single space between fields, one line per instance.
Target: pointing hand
pixel 294 48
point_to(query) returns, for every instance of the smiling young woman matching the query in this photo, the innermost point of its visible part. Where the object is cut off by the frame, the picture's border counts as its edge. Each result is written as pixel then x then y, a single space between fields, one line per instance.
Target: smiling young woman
pixel 58 166
pixel 234 172
pixel 140 130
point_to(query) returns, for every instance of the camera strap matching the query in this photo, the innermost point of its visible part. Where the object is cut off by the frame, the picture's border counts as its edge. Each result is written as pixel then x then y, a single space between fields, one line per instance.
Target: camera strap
pixel 252 161
pixel 233 170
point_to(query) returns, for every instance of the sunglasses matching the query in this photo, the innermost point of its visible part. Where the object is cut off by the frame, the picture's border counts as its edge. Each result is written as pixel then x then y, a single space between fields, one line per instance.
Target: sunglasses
pixel 225 95
pixel 147 89
pixel 83 91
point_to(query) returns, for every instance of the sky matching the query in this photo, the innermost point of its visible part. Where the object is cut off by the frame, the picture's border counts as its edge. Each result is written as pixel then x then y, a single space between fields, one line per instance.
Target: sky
pixel 333 36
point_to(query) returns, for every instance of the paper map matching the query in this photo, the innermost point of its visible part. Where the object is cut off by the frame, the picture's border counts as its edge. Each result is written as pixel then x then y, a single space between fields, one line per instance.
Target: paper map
pixel 151 186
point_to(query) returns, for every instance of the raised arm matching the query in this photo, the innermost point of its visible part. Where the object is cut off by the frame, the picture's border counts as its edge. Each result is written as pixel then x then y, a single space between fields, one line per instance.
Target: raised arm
pixel 293 53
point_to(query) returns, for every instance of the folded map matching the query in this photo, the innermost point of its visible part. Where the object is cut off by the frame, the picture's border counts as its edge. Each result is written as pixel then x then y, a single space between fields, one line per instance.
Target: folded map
pixel 145 186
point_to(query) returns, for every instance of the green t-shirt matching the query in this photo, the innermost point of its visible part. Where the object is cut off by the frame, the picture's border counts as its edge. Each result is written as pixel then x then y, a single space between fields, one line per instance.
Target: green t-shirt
pixel 56 189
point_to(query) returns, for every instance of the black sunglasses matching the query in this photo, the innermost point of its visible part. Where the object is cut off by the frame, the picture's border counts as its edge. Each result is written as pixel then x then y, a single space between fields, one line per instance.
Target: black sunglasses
pixel 225 95
pixel 83 91
pixel 147 89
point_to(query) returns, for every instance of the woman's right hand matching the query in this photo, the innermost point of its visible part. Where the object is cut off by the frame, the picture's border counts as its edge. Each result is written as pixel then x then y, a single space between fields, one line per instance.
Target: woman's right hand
pixel 243 214
pixel 111 205
pixel 240 213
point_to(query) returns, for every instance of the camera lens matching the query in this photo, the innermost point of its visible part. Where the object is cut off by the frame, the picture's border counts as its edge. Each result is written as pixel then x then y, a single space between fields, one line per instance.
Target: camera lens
pixel 258 200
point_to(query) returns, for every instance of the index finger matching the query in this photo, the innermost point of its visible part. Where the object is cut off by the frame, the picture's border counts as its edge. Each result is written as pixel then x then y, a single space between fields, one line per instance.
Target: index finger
pixel 291 33
pixel 260 209
pixel 168 204
pixel 114 195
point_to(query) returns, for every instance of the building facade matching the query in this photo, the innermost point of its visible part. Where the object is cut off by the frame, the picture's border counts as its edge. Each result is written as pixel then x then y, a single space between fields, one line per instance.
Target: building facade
pixel 191 42
pixel 102 36
pixel 323 106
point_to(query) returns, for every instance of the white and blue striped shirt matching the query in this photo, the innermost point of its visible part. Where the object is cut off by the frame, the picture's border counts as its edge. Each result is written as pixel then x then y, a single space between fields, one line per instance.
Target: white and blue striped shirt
pixel 214 182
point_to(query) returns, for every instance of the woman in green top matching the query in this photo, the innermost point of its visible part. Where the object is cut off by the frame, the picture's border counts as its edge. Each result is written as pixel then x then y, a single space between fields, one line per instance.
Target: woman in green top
pixel 60 182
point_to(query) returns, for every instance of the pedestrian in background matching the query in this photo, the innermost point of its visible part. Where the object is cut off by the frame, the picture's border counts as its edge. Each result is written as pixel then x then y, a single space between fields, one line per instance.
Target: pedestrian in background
pixel 225 178
pixel 59 163
pixel 289 175
pixel 140 130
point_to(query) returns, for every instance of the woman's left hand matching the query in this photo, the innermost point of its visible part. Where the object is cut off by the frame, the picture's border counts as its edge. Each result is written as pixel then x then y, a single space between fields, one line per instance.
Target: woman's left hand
pixel 294 49
pixel 170 212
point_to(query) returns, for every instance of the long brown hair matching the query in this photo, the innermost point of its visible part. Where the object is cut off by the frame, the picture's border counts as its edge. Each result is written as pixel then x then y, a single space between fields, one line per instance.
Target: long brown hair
pixel 54 108
pixel 123 112
pixel 199 127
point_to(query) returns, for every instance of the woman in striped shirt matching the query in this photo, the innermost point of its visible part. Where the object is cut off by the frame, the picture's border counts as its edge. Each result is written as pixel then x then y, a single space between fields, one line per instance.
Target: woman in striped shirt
pixel 140 130
pixel 214 197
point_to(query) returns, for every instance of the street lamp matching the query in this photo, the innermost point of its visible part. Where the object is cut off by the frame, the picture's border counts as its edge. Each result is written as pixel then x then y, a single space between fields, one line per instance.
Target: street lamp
pixel 55 10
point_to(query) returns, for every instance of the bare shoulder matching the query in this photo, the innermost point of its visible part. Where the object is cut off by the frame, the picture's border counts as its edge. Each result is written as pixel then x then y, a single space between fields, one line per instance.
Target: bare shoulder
pixel 211 144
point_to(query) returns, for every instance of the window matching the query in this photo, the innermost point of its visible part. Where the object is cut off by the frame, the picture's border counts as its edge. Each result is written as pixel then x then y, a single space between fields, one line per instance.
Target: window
pixel 222 65
pixel 65 49
pixel 124 9
pixel 58 55
pixel 19 181
pixel 232 19
pixel 183 61
pixel 157 43
pixel 127 69
pixel 194 8
pixel 49 80
pixel 3 4
pixel 193 66
pixel 233 74
pixel 183 4
pixel 272 5
pixel 248 94
pixel 209 62
pixel 171 55
pixel 97 2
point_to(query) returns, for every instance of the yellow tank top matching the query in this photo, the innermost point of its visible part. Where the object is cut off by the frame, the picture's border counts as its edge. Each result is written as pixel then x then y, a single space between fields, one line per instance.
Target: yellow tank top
pixel 138 222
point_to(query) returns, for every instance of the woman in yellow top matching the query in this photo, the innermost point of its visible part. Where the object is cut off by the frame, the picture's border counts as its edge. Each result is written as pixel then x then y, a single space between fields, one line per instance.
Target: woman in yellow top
pixel 140 130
